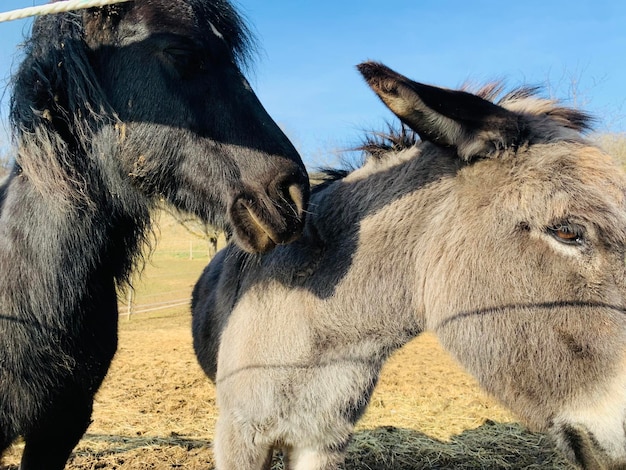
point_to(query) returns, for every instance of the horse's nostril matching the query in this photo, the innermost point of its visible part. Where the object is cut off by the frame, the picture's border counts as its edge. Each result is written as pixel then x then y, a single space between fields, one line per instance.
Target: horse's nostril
pixel 293 191
pixel 295 194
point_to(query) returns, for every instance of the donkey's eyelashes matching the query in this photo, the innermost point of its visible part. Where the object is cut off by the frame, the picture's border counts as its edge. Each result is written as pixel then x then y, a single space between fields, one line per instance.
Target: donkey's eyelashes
pixel 567 233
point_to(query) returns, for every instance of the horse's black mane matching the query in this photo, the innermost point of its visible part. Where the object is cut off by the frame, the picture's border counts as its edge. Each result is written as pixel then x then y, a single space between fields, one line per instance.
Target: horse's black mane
pixel 55 80
pixel 231 25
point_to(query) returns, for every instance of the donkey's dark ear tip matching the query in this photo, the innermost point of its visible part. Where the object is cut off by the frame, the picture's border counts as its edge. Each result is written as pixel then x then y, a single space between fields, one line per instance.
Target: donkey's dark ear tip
pixel 379 77
pixel 369 69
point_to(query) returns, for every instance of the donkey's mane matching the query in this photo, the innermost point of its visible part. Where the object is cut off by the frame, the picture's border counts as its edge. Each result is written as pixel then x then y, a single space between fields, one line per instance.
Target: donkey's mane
pixel 377 145
pixel 527 100
pixel 380 144
pixel 384 145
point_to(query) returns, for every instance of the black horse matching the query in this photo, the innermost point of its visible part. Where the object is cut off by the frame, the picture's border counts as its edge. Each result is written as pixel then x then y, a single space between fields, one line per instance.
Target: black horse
pixel 112 110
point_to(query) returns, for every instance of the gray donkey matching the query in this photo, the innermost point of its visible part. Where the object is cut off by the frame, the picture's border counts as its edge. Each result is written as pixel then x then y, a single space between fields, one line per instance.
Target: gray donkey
pixel 503 231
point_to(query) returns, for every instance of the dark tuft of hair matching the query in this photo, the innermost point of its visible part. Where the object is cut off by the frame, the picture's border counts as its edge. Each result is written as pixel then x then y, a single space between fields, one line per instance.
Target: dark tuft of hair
pixel 394 139
pixel 324 177
pixel 232 25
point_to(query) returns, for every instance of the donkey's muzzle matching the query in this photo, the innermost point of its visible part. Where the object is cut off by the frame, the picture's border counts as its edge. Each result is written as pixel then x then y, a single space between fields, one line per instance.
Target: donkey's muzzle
pixel 274 216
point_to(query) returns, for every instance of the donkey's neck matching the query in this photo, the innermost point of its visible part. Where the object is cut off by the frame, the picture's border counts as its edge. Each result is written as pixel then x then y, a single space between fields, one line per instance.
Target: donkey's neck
pixel 364 240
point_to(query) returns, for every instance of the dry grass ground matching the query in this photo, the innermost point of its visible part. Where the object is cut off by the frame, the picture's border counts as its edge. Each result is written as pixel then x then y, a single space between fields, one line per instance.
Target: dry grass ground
pixel 156 410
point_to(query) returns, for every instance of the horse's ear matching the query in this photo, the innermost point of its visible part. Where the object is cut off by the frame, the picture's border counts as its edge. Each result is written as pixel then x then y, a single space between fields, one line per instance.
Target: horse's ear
pixel 474 126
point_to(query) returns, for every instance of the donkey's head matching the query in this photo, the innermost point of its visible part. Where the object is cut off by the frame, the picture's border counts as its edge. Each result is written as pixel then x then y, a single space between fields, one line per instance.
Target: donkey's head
pixel 165 74
pixel 526 277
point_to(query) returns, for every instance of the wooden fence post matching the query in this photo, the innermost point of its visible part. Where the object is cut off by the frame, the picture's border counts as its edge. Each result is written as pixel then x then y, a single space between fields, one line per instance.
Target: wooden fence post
pixel 129 309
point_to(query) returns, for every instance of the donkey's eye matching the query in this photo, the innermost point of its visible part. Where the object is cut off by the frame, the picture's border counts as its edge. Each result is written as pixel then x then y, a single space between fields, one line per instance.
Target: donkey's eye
pixel 570 234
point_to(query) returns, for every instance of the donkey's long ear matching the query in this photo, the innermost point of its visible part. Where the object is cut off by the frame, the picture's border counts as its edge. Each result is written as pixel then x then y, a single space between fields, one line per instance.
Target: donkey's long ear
pixel 474 126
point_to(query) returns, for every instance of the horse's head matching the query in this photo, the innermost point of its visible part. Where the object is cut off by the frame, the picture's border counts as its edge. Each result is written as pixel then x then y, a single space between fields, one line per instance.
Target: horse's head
pixel 526 277
pixel 166 76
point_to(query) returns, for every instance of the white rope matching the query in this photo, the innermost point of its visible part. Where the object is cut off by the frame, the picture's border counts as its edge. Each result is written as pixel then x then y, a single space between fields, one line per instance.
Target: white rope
pixel 58 7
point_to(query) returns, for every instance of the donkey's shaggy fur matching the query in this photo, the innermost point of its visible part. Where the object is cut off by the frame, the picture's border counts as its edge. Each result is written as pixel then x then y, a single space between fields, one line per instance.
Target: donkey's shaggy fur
pixel 503 231
pixel 113 109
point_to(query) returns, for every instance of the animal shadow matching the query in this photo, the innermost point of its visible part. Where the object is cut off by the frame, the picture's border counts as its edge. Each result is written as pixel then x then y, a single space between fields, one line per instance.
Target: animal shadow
pixel 141 452
pixel 492 446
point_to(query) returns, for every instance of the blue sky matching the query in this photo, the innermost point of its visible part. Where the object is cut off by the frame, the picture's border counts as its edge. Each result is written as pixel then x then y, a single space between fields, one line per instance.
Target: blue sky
pixel 305 73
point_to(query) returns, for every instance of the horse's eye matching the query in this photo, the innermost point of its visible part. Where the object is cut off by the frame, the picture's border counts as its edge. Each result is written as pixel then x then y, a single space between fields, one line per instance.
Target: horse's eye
pixel 570 234
pixel 185 59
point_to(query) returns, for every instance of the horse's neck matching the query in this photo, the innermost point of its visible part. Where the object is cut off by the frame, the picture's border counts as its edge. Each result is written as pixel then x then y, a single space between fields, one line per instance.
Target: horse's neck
pixel 52 244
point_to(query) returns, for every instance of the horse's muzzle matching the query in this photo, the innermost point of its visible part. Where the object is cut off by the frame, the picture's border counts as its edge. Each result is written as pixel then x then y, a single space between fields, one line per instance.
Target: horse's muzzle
pixel 263 219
